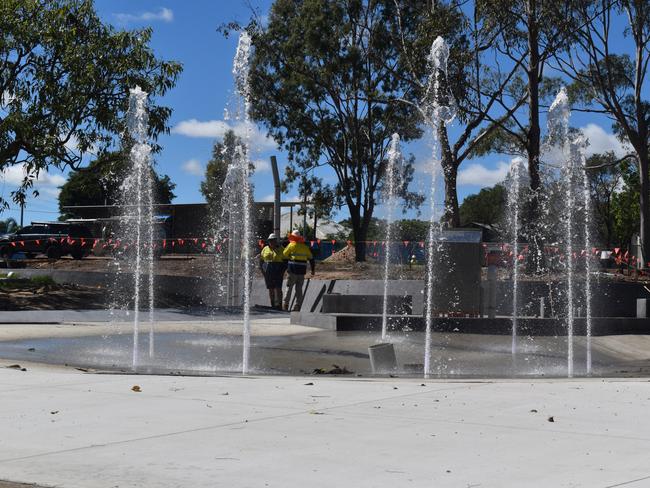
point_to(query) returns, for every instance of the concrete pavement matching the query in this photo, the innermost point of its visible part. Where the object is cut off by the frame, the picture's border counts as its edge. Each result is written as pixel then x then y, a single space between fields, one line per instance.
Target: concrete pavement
pixel 61 427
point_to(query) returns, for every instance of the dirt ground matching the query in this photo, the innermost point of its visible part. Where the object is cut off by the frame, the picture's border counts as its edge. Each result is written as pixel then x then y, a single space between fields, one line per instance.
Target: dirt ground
pixel 37 296
pixel 199 265
pixel 52 297
pixel 9 484
pixel 341 266
pixel 24 294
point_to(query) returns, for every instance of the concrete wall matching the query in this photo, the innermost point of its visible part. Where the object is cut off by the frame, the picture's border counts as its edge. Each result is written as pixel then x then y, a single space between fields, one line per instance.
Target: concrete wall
pixel 457 277
pixel 367 304
pixel 611 299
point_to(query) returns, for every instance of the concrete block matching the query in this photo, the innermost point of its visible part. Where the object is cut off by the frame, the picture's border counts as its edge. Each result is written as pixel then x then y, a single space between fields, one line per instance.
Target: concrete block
pixel 366 304
pixel 382 358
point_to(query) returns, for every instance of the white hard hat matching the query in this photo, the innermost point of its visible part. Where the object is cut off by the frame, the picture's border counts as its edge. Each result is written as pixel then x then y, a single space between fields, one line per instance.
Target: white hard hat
pixel 272 236
pixel 296 233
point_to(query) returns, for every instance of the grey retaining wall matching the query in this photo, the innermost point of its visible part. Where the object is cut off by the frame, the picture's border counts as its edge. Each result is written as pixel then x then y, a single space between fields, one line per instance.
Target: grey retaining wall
pixel 611 299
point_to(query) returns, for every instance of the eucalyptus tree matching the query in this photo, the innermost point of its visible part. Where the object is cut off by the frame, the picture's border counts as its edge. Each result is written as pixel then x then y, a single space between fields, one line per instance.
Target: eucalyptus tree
pixel 476 80
pixel 100 182
pixel 609 69
pixel 528 34
pixel 64 84
pixel 326 83
pixel 223 154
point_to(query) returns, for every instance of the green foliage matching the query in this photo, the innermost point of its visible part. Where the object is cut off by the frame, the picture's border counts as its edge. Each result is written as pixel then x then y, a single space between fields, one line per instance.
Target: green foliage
pixel 215 172
pixel 14 282
pixel 100 182
pixel 42 280
pixel 323 198
pixel 376 230
pixel 404 230
pixel 65 84
pixel 411 230
pixel 486 207
pixel 615 192
pixel 605 179
pixel 8 225
pixel 212 187
pixel 625 207
pixel 609 76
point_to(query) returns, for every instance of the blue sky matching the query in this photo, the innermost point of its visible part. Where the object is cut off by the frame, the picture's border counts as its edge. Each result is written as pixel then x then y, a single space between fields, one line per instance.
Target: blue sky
pixel 185 31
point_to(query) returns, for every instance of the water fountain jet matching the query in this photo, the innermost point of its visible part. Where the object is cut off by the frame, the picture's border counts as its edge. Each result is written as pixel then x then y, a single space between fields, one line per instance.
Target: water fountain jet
pixel 515 176
pixel 574 181
pixel 438 107
pixel 138 220
pixel 394 161
pixel 236 202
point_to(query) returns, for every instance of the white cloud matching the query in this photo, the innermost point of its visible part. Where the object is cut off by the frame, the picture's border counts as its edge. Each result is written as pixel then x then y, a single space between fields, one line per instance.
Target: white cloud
pixel 598 139
pixel 426 167
pixel 47 183
pixel 601 141
pixel 52 192
pixel 51 180
pixel 216 129
pixel 163 15
pixel 262 165
pixel 478 175
pixel 271 197
pixel 193 167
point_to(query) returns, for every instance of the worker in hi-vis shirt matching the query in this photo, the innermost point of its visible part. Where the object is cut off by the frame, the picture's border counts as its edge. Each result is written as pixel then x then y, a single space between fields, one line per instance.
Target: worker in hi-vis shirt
pixel 273 265
pixel 298 254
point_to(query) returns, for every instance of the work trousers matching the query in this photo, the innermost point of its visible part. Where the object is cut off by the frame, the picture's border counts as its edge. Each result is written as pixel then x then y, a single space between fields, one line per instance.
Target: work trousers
pixel 296 280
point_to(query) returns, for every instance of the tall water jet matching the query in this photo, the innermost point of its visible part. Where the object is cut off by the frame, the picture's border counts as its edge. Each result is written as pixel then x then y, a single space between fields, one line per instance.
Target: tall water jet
pixel 586 202
pixel 390 195
pixel 438 108
pixel 580 180
pixel 558 135
pixel 137 221
pixel 241 165
pixel 513 203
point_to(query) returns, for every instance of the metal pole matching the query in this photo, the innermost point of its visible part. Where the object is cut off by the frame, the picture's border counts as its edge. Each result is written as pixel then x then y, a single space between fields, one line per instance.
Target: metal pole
pixel 22 209
pixel 304 217
pixel 277 201
pixel 291 218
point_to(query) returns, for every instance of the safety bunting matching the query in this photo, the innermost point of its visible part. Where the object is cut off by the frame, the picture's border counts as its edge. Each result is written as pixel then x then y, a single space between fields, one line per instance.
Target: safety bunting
pixel 502 252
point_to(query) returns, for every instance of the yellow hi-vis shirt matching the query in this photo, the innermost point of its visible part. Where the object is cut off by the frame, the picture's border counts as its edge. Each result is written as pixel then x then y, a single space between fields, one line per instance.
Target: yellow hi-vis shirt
pixel 298 251
pixel 273 255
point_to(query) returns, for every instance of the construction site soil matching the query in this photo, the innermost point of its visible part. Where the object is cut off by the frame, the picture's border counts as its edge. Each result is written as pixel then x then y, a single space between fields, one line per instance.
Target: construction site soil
pixel 340 266
pixel 202 265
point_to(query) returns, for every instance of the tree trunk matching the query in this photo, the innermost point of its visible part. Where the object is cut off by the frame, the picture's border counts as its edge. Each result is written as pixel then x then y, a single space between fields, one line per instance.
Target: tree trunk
pixel 452 215
pixel 535 254
pixel 644 207
pixel 534 132
pixel 450 171
pixel 359 231
pixel 360 236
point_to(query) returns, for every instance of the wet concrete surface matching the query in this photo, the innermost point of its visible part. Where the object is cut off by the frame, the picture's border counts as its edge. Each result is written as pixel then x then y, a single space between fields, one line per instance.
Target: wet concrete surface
pixel 205 352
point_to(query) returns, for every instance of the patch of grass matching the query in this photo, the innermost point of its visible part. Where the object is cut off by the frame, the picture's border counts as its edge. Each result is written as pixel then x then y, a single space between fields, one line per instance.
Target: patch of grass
pixel 42 280
pixel 16 282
